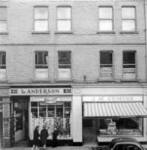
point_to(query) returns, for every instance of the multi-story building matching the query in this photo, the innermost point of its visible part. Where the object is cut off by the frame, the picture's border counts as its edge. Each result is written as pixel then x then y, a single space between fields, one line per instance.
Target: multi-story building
pixel 78 65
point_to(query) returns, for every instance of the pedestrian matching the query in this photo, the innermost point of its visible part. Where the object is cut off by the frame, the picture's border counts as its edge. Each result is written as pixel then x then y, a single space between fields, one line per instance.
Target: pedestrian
pixel 55 134
pixel 43 136
pixel 36 138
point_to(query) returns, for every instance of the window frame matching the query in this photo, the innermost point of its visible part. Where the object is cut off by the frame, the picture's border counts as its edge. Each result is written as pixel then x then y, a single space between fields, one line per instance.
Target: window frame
pixel 63 31
pixel 60 68
pixel 105 19
pixel 129 19
pixel 34 20
pixel 4 20
pixel 44 66
pixel 2 54
pixel 103 78
pixel 135 64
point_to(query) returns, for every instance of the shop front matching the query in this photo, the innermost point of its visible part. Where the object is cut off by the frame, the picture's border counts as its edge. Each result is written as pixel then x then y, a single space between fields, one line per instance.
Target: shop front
pixel 41 106
pixel 110 112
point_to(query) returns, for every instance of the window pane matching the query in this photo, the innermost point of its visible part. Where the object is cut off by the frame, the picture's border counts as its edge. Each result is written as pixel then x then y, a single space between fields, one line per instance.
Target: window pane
pixel 105 13
pixel 128 13
pixel 128 25
pixel 3 26
pixel 63 13
pixel 64 57
pixel 63 25
pixel 129 58
pixel 105 25
pixel 41 13
pixel 3 13
pixel 105 58
pixel 41 26
pixel 2 60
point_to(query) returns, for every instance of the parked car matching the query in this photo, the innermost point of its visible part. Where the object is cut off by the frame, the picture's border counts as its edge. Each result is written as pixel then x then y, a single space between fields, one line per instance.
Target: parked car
pixel 122 143
pixel 125 143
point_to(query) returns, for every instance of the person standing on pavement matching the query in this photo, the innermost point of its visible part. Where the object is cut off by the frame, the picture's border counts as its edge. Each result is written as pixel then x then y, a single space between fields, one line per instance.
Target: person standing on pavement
pixel 55 134
pixel 36 138
pixel 43 136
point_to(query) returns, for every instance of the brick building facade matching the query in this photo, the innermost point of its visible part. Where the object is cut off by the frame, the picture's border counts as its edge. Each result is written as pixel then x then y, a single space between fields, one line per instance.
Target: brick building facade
pixel 58 58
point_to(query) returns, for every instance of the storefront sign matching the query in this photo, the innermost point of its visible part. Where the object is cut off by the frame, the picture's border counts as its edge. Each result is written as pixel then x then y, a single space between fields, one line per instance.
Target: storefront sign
pixel 40 91
pixel 112 98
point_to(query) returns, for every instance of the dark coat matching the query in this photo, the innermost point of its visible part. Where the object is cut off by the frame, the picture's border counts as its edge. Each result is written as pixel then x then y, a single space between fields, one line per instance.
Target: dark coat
pixel 36 137
pixel 43 136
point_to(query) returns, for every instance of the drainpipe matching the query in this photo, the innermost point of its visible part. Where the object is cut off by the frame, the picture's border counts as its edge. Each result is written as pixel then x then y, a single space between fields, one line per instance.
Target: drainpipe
pixel 145 31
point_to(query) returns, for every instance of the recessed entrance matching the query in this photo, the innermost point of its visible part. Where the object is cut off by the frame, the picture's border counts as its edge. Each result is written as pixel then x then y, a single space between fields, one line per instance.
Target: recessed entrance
pixel 20 123
pixel 90 131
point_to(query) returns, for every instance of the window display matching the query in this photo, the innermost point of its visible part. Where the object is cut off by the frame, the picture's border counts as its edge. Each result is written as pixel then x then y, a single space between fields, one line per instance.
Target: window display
pixel 121 126
pixel 52 115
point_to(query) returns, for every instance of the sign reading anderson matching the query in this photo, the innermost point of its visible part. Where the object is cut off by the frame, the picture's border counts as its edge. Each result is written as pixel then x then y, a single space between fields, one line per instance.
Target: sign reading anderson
pixel 40 91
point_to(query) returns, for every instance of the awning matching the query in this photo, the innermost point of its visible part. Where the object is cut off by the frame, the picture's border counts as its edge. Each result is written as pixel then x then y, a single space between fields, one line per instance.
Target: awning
pixel 119 109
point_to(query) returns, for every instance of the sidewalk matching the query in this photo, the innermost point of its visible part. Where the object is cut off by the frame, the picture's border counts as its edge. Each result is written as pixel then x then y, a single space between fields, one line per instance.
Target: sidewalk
pixel 50 148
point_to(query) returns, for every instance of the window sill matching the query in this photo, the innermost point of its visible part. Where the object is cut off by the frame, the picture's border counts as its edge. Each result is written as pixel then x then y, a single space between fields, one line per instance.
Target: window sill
pixel 105 32
pixel 35 32
pixel 63 32
pixel 3 33
pixel 129 32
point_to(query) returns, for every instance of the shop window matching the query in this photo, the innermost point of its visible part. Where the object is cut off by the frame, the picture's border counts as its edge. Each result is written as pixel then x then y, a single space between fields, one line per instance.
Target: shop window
pixel 41 19
pixel 128 18
pixel 2 66
pixel 121 126
pixel 106 67
pixel 105 18
pixel 3 20
pixel 41 65
pixel 52 115
pixel 64 65
pixel 63 19
pixel 129 65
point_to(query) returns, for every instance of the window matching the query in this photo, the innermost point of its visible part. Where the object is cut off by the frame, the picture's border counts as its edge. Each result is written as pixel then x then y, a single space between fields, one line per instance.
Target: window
pixel 64 65
pixel 129 65
pixel 106 64
pixel 2 65
pixel 41 64
pixel 3 19
pixel 64 19
pixel 128 19
pixel 41 19
pixel 105 19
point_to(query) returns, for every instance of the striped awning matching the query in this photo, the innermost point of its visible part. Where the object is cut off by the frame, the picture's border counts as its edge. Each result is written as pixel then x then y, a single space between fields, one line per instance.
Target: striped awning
pixel 121 109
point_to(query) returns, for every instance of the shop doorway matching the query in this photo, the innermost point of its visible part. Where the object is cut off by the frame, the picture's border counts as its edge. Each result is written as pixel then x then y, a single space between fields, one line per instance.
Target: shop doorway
pixel 90 131
pixel 1 129
pixel 20 114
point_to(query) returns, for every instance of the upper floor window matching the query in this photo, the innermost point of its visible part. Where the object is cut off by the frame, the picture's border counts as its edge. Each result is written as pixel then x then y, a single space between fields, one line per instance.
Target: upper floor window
pixel 128 18
pixel 129 65
pixel 106 64
pixel 105 18
pixel 41 19
pixel 64 19
pixel 64 65
pixel 2 65
pixel 41 65
pixel 3 19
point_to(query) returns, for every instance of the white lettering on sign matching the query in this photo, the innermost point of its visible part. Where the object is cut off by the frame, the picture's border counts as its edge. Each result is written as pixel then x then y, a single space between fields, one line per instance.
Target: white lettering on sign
pixel 40 91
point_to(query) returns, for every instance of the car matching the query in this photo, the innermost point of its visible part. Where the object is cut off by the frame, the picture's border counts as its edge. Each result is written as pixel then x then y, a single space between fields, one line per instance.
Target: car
pixel 125 143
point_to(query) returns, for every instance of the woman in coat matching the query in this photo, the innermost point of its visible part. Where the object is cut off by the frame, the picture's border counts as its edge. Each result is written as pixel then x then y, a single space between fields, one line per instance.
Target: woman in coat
pixel 43 137
pixel 36 138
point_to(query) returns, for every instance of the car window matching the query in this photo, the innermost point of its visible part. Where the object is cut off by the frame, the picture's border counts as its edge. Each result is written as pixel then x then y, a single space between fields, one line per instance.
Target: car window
pixel 126 147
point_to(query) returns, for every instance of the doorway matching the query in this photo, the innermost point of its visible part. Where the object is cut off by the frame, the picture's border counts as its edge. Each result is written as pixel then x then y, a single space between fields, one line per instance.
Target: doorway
pixel 90 131
pixel 1 129
pixel 20 114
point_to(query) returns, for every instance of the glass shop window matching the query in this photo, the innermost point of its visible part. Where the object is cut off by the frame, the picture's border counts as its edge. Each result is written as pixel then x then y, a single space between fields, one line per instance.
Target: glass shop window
pixel 121 126
pixel 59 111
pixel 51 110
pixel 42 110
pixel 34 109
